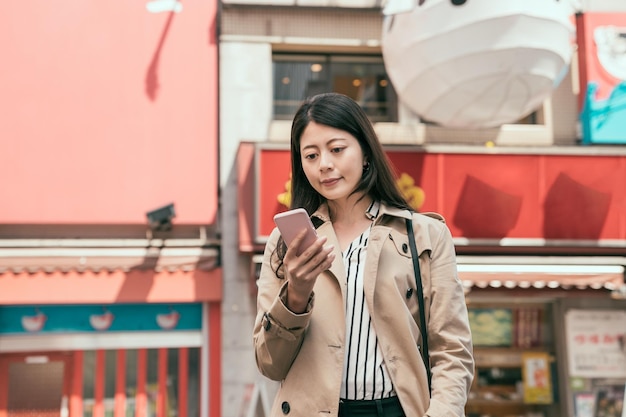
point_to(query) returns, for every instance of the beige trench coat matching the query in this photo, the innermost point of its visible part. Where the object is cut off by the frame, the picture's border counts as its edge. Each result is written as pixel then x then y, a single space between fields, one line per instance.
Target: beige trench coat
pixel 306 351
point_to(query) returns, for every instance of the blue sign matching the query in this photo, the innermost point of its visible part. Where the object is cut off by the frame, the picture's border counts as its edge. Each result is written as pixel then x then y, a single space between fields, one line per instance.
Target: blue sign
pixel 100 318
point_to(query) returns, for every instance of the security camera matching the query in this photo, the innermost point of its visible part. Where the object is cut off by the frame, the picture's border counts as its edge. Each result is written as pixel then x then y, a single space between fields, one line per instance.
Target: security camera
pixel 160 219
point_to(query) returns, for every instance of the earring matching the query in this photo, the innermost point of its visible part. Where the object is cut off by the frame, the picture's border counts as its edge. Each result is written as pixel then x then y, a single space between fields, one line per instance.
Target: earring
pixel 366 167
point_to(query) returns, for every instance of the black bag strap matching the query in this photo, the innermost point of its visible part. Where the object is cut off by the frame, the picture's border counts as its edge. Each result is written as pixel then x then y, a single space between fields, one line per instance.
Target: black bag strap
pixel 420 299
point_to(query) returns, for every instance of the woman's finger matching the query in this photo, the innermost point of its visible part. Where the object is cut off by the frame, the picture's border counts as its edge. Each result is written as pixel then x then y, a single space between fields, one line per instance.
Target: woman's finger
pixel 298 240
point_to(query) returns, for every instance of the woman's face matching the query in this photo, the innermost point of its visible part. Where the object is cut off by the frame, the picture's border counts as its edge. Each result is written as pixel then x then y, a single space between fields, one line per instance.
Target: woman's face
pixel 332 160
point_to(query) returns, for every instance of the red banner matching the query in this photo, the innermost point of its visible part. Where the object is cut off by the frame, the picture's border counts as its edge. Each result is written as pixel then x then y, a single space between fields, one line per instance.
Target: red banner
pixel 491 196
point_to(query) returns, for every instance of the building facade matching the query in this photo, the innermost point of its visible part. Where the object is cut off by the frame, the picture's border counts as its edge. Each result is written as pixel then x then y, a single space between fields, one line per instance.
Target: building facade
pixel 536 215
pixel 110 277
pixel 146 150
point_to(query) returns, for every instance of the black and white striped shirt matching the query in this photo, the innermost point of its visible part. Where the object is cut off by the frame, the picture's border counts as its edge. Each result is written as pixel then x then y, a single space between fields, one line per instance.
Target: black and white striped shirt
pixel 365 375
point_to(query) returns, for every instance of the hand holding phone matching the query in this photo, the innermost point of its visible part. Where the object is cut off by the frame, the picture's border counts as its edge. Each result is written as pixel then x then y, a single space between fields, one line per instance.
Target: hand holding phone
pixel 292 222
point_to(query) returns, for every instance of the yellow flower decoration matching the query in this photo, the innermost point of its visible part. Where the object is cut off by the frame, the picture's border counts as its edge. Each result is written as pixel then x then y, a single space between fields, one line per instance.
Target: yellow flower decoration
pixel 285 198
pixel 413 194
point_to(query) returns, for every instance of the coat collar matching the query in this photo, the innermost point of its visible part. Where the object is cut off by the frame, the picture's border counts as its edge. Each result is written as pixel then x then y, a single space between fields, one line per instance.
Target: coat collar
pixel 385 215
pixel 322 212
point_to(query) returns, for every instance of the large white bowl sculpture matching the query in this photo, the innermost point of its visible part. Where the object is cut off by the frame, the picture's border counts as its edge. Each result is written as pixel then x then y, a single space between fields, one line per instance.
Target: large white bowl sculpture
pixel 476 63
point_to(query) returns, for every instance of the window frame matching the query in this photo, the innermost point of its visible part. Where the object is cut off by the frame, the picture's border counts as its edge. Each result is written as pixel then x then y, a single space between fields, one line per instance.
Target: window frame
pixel 330 61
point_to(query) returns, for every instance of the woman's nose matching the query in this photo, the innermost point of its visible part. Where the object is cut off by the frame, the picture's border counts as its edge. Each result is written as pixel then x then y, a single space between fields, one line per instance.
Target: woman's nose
pixel 325 162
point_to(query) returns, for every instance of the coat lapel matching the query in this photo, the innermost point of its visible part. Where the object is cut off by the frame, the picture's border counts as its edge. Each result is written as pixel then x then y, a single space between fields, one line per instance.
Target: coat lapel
pixel 337 269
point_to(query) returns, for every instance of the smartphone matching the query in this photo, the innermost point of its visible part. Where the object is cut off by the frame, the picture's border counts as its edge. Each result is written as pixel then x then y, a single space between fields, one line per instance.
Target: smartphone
pixel 292 222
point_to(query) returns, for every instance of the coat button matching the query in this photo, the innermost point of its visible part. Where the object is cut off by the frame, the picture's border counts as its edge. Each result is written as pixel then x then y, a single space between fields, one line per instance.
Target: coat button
pixel 409 293
pixel 405 248
pixel 285 407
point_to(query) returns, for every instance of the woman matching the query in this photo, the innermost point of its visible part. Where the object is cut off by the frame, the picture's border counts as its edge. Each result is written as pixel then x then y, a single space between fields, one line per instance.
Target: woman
pixel 338 325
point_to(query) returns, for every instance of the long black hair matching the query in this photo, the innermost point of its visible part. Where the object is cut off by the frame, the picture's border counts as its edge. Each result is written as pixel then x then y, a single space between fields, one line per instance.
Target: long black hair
pixel 343 113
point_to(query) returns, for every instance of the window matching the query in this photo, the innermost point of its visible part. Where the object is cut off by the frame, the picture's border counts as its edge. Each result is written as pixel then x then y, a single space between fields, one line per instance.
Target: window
pixel 153 378
pixel 361 77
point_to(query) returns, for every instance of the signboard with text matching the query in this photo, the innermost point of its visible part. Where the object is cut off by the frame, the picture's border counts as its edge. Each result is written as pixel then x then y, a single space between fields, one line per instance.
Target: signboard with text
pixel 596 343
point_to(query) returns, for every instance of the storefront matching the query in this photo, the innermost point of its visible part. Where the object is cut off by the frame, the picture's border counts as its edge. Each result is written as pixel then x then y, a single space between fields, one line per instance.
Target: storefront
pixel 110 341
pixel 540 240
pixel 533 336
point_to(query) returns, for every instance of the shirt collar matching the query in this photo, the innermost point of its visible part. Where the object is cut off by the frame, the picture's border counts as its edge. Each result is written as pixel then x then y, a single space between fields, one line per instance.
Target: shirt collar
pixel 373 210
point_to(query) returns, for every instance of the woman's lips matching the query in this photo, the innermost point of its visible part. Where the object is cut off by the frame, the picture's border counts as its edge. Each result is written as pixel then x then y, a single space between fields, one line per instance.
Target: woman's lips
pixel 330 182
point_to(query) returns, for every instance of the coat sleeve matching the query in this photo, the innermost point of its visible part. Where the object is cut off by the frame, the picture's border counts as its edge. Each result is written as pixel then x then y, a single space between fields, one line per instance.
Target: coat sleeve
pixel 278 332
pixel 450 340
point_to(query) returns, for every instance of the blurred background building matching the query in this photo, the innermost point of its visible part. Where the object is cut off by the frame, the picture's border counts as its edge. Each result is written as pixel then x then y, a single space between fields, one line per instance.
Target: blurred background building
pixel 146 149
pixel 110 276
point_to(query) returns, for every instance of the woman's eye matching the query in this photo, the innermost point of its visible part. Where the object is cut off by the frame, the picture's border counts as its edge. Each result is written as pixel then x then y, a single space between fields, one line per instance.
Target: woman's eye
pixel 309 156
pixel 336 150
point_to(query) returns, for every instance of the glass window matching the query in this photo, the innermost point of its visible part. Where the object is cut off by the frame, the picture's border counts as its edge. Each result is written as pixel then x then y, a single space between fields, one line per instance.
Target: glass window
pixel 174 396
pixel 362 78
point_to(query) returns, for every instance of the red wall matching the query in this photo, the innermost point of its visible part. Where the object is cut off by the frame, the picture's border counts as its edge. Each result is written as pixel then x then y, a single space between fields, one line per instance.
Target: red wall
pixel 108 111
pixel 491 195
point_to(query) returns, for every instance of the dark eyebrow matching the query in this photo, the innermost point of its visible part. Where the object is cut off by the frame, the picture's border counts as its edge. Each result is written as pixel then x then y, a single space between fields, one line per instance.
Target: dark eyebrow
pixel 332 141
pixel 329 143
pixel 308 147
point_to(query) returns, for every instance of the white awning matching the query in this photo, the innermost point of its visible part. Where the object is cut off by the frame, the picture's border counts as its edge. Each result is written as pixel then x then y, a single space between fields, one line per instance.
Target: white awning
pixel 542 272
